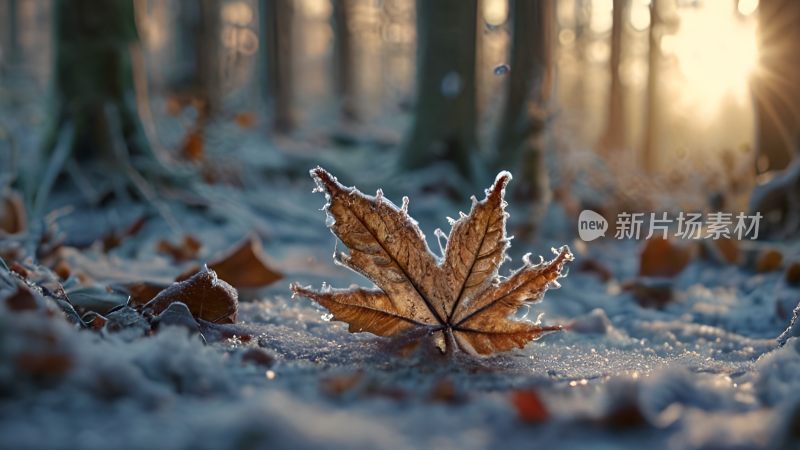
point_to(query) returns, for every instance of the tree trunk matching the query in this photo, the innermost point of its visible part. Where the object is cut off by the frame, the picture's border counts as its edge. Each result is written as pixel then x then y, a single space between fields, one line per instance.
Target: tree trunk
pixel 444 121
pixel 650 147
pixel 199 42
pixel 776 88
pixel 520 141
pixel 11 51
pixel 614 137
pixel 344 59
pixel 529 82
pixel 276 18
pixel 96 119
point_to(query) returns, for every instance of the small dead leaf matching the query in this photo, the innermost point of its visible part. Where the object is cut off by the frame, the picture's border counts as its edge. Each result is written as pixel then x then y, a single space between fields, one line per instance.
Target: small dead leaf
pixel 339 385
pixel 529 406
pixel 22 300
pixel 245 119
pixel 207 296
pixel 769 260
pixel 793 273
pixel 12 213
pixel 445 391
pixel 244 267
pixel 650 292
pixel 663 258
pixel 62 269
pixel 459 302
pixel 258 356
pixel 45 364
pixel 193 145
pixel 186 250
pixel 596 267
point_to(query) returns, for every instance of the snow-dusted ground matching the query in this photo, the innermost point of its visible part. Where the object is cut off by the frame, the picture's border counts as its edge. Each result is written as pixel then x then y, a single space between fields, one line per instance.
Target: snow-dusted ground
pixel 704 372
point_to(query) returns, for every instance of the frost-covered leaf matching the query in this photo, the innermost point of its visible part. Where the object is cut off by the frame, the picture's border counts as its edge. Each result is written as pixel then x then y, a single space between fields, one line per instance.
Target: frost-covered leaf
pixel 459 300
pixel 207 296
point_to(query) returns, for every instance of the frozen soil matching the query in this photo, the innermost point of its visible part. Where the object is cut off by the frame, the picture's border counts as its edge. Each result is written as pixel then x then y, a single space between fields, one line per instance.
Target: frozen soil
pixel 705 371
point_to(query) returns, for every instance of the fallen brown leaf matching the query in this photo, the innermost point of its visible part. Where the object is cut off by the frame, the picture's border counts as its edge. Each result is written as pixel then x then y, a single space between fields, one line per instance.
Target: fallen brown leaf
pixel 12 213
pixel 193 146
pixel 529 406
pixel 663 258
pixel 22 300
pixel 207 296
pixel 245 119
pixel 244 267
pixel 650 292
pixel 769 260
pixel 461 301
pixel 793 273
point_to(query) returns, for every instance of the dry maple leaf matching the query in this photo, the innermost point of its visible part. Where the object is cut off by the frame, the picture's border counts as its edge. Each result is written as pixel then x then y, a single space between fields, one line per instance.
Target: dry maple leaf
pixel 458 299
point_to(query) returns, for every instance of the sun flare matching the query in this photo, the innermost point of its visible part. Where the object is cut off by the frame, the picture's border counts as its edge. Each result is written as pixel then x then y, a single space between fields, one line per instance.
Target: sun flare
pixel 716 52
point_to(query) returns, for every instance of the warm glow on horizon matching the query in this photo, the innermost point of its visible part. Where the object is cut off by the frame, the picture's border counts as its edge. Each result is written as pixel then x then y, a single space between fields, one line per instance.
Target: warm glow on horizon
pixel 716 53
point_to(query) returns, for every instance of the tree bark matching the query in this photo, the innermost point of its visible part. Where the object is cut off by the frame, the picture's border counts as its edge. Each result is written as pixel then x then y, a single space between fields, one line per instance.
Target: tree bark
pixel 529 82
pixel 276 18
pixel 11 53
pixel 344 59
pixel 776 87
pixel 443 127
pixel 650 139
pixel 614 137
pixel 199 42
pixel 521 139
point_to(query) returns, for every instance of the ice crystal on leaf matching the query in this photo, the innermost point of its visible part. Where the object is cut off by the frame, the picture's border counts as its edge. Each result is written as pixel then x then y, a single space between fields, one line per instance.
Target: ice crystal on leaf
pixel 459 301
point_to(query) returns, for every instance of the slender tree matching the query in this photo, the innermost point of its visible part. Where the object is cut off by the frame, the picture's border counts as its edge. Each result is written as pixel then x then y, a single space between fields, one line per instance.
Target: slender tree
pixel 444 120
pixel 276 18
pixel 11 50
pixel 521 136
pixel 344 58
pixel 614 136
pixel 650 138
pixel 529 82
pixel 199 47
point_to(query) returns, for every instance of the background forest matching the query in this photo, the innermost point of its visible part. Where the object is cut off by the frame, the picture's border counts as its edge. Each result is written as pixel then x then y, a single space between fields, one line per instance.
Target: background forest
pixel 155 205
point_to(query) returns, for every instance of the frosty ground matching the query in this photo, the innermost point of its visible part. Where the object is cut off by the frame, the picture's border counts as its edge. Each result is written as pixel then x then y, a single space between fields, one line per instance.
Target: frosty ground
pixel 704 371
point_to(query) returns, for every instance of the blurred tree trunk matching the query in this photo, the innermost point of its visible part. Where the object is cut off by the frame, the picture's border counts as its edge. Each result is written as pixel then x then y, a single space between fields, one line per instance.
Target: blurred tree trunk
pixel 520 141
pixel 344 60
pixel 529 82
pixel 777 87
pixel 11 52
pixel 650 140
pixel 199 42
pixel 614 136
pixel 444 121
pixel 276 17
pixel 96 118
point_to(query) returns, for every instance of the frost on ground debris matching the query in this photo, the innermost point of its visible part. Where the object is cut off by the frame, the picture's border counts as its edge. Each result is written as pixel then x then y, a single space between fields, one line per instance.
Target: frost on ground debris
pixel 705 370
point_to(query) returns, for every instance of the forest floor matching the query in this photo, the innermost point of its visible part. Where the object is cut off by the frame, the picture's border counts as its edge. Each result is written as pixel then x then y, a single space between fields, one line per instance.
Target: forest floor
pixel 702 369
